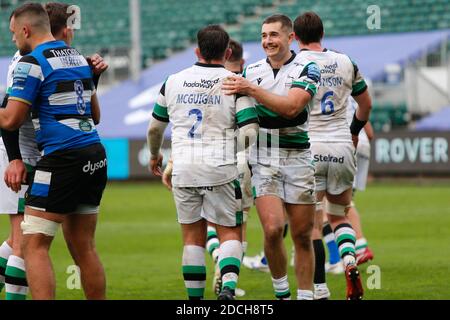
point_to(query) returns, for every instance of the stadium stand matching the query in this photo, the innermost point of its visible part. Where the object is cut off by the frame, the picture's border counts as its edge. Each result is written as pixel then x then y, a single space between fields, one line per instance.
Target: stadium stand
pixel 171 25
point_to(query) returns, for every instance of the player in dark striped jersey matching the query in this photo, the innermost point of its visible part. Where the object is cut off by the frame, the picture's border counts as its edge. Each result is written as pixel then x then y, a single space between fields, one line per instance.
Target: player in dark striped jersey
pixel 55 82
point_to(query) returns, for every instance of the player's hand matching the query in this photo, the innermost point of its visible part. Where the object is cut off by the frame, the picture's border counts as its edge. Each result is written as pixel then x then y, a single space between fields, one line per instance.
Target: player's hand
pixel 15 175
pixel 97 64
pixel 156 165
pixel 167 176
pixel 235 84
pixel 355 140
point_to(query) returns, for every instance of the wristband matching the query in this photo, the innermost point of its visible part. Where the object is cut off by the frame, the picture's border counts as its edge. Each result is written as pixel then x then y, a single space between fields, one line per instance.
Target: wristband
pixel 357 125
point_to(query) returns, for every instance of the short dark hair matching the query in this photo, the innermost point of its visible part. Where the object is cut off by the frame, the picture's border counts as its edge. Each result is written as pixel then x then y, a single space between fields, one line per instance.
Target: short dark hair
pixel 237 52
pixel 36 10
pixel 57 13
pixel 285 21
pixel 213 41
pixel 308 27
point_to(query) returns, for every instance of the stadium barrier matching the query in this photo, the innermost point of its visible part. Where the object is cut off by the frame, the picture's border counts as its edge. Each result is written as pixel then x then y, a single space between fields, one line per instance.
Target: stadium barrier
pixel 399 153
pixel 409 153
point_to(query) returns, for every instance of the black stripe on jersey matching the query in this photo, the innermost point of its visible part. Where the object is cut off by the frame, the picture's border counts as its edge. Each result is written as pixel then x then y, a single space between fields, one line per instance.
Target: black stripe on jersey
pixel 287 145
pixel 249 121
pixel 2 271
pixel 16 281
pixel 69 86
pixel 163 90
pixel 160 118
pixel 29 59
pixel 60 52
pixel 194 276
pixel 60 117
pixel 310 91
pixel 279 122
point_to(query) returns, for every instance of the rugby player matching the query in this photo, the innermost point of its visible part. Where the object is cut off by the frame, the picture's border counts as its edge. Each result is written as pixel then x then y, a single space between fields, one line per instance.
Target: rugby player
pixel 333 143
pixel 204 178
pixel 283 172
pixel 55 82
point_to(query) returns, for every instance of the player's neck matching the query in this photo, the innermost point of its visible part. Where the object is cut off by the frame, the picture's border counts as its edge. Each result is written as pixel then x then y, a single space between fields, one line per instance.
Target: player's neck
pixel 41 39
pixel 221 62
pixel 315 46
pixel 277 63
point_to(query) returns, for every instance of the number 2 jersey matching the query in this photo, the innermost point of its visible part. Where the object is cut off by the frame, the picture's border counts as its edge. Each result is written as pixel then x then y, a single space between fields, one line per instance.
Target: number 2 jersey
pixel 56 81
pixel 204 125
pixel 340 78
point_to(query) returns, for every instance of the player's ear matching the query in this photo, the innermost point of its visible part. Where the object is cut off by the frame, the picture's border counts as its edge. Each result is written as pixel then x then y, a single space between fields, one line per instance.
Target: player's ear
pixel 228 53
pixel 198 54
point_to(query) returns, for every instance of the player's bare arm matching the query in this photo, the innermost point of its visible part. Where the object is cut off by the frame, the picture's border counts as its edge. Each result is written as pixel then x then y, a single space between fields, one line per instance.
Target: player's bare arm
pixel 155 136
pixel 361 116
pixel 286 106
pixel 95 109
pixel 15 113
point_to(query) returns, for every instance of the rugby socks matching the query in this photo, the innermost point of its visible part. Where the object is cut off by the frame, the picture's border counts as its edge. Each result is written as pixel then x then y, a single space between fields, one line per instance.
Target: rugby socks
pixel 230 263
pixel 281 288
pixel 330 240
pixel 361 245
pixel 305 295
pixel 5 252
pixel 346 238
pixel 15 279
pixel 212 243
pixel 319 253
pixel 194 271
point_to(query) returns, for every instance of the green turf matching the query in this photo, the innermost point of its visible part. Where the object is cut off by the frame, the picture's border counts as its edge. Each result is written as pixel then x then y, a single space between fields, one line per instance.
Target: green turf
pixel 408 228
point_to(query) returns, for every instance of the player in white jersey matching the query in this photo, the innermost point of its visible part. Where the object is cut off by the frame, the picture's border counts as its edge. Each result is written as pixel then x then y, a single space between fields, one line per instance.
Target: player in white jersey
pixel 333 146
pixel 234 64
pixel 283 172
pixel 204 178
pixel 17 161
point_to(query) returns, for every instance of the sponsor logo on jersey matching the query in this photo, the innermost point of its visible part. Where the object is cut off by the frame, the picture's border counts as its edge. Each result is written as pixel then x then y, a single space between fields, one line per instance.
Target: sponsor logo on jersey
pixel 254 66
pixel 91 168
pixel 329 69
pixel 85 126
pixel 198 98
pixel 313 72
pixel 64 52
pixel 206 84
pixel 259 80
pixel 328 158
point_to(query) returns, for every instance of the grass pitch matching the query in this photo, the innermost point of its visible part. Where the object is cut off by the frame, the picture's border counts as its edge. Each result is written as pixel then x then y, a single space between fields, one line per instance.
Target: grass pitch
pixel 138 238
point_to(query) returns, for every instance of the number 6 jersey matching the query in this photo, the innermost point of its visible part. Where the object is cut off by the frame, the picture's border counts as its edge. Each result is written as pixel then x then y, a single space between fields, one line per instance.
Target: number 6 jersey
pixel 340 78
pixel 204 124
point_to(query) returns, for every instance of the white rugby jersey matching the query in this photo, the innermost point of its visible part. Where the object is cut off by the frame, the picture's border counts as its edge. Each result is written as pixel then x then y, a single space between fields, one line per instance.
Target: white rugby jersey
pixel 340 78
pixel 27 138
pixel 204 123
pixel 295 73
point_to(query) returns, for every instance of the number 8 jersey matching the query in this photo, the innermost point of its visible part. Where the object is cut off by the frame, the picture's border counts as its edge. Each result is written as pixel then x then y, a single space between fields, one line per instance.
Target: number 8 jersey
pixel 56 81
pixel 340 78
pixel 204 125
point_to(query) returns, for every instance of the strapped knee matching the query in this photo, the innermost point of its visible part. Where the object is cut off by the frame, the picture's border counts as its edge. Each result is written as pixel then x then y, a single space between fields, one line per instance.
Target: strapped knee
pixel 336 209
pixel 36 225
